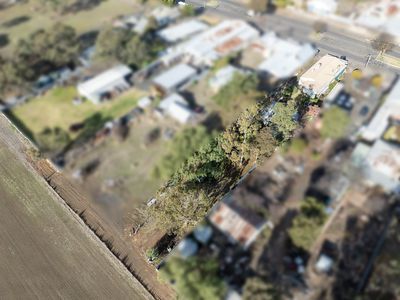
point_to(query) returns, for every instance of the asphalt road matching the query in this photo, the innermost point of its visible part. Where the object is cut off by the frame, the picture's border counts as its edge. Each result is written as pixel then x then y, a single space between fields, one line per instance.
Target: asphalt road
pixel 337 40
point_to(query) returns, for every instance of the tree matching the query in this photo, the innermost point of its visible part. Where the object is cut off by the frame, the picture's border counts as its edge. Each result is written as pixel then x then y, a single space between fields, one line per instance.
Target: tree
pixel 334 123
pixel 283 118
pixel 320 27
pixel 180 149
pixel 307 224
pixel 109 42
pixel 258 5
pixel 53 139
pixel 281 3
pixel 383 42
pixel 257 288
pixel 194 278
pixel 241 85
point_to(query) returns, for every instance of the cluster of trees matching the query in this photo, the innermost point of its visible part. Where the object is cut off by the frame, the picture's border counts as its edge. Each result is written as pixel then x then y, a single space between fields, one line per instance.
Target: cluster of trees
pixel 195 278
pixel 40 53
pixel 180 149
pixel 241 85
pixel 65 6
pixel 307 224
pixel 124 45
pixel 217 166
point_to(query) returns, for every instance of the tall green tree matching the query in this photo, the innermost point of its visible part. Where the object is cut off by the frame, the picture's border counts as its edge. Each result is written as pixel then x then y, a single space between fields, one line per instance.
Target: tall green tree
pixel 283 118
pixel 183 145
pixel 194 278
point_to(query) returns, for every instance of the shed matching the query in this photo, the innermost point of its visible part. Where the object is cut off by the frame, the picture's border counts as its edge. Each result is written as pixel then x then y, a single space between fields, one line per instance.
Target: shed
pixel 174 78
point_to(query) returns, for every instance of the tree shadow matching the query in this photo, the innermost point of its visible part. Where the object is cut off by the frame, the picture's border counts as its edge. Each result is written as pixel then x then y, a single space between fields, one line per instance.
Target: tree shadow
pixel 88 39
pixel 20 125
pixel 213 122
pixel 82 5
pixel 16 21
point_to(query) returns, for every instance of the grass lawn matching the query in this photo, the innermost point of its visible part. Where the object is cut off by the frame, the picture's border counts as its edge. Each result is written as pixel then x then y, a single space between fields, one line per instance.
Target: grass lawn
pixel 55 109
pixel 389 60
pixel 83 21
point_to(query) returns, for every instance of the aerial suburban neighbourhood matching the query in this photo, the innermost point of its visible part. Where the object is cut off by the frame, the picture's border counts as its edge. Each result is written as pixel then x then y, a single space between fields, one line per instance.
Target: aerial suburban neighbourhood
pixel 200 149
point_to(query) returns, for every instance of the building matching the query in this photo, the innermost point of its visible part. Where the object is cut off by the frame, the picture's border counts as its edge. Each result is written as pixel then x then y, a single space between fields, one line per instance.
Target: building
pixel 106 84
pixel 238 224
pixel 380 163
pixel 177 108
pixel 165 15
pixel 222 77
pixel 174 78
pixel 316 80
pixel 322 7
pixel 283 57
pixel 182 31
pixel 219 41
pixel 390 110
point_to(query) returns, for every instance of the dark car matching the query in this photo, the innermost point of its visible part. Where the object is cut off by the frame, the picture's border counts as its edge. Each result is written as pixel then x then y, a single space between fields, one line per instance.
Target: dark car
pixel 344 101
pixel 364 111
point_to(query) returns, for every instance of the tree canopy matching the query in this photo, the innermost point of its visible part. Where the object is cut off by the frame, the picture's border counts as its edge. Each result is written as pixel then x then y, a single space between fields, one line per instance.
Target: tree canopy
pixel 307 224
pixel 183 145
pixel 194 278
pixel 257 288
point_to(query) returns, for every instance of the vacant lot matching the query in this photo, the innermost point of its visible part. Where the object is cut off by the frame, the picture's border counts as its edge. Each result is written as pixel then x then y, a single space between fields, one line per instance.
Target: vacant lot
pixel 22 19
pixel 56 109
pixel 45 251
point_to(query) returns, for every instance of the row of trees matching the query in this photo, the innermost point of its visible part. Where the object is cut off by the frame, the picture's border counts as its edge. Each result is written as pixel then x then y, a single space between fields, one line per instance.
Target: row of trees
pixel 64 6
pixel 40 53
pixel 216 167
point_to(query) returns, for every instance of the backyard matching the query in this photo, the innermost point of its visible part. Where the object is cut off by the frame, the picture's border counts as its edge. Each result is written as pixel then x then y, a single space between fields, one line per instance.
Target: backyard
pixel 56 109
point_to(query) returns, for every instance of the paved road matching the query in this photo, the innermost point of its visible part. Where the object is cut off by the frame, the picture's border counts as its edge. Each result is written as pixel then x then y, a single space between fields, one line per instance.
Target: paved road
pixel 337 40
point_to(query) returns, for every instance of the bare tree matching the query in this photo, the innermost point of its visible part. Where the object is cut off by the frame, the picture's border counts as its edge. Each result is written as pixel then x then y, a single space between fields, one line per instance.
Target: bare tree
pixel 383 42
pixel 320 27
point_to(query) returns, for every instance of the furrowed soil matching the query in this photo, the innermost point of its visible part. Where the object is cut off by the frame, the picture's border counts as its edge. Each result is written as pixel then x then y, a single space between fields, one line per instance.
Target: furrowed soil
pixel 46 250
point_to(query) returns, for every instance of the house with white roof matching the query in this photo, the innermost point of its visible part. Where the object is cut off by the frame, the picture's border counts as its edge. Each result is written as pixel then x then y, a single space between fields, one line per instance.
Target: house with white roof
pixel 104 85
pixel 283 57
pixel 390 110
pixel 176 107
pixel 182 31
pixel 219 41
pixel 322 7
pixel 380 164
pixel 165 15
pixel 316 80
pixel 174 78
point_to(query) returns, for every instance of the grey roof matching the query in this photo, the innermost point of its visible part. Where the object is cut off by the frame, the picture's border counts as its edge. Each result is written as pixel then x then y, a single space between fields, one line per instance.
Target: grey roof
pixel 175 76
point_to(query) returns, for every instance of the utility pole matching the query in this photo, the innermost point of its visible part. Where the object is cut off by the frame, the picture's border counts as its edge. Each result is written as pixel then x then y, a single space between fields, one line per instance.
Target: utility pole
pixel 368 60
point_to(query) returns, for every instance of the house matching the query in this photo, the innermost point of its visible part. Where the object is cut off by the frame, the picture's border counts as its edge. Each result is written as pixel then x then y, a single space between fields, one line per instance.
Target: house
pixel 222 77
pixel 322 7
pixel 176 107
pixel 316 80
pixel 283 57
pixel 104 85
pixel 219 41
pixel 182 31
pixel 380 163
pixel 390 110
pixel 174 78
pixel 238 224
pixel 165 15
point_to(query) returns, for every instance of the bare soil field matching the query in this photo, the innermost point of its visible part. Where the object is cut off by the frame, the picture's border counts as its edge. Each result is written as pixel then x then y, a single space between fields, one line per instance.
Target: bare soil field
pixel 46 252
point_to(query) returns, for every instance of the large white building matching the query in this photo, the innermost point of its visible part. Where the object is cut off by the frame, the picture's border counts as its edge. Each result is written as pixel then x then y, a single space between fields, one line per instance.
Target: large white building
pixel 176 107
pixel 390 109
pixel 219 41
pixel 104 85
pixel 283 57
pixel 316 80
pixel 174 78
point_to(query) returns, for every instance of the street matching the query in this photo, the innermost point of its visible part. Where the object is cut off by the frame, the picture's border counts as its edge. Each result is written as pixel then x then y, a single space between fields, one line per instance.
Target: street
pixel 338 40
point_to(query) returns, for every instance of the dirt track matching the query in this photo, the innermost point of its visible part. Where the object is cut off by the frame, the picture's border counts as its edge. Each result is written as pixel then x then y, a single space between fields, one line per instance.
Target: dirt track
pixel 31 239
